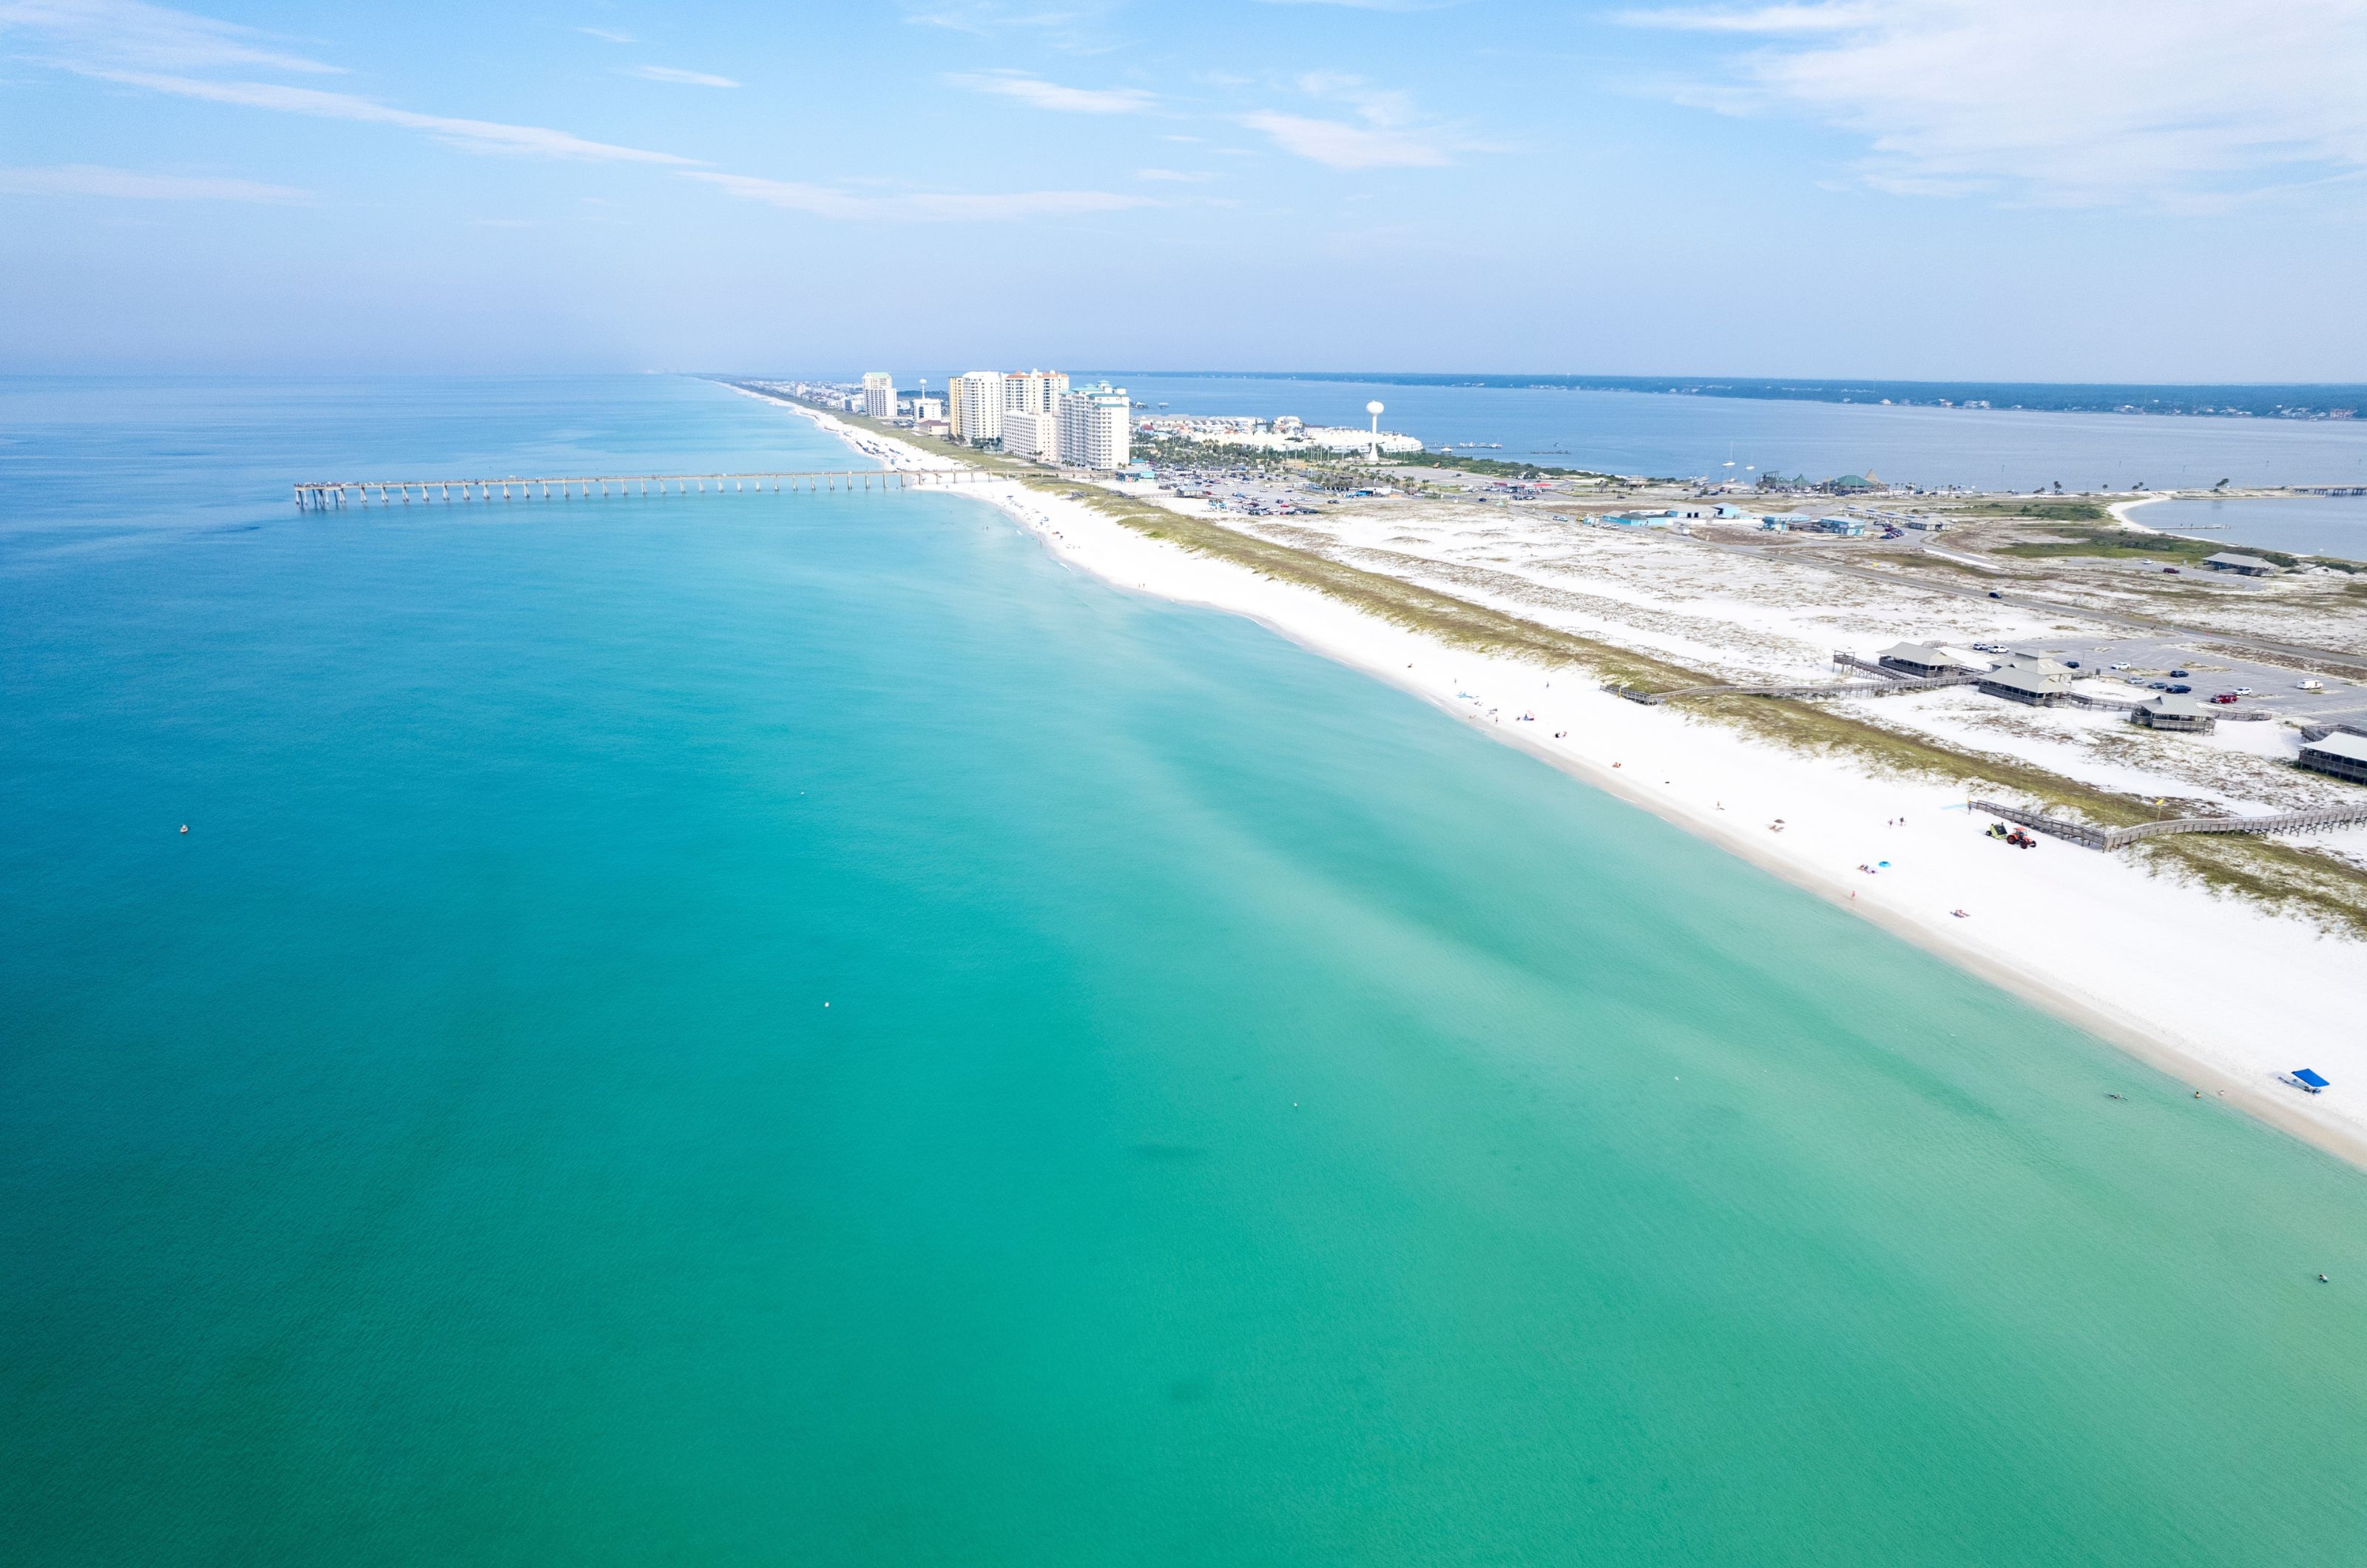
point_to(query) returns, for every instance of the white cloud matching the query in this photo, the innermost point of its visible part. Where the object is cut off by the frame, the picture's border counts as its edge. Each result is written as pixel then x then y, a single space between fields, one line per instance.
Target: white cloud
pixel 609 35
pixel 125 43
pixel 1764 19
pixel 1388 131
pixel 824 201
pixel 1344 145
pixel 138 45
pixel 88 179
pixel 1038 94
pixel 471 135
pixel 675 73
pixel 1174 175
pixel 128 32
pixel 2175 103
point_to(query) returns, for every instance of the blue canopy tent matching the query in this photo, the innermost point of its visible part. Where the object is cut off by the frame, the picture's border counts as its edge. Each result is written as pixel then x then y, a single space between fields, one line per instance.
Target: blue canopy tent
pixel 2307 1079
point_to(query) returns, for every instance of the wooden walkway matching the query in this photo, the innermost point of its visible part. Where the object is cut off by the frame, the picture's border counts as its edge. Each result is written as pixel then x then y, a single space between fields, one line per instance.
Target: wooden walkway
pixel 330 495
pixel 2095 837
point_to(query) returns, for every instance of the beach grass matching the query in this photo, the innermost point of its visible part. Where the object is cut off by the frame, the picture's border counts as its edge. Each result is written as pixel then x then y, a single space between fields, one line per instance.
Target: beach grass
pixel 2328 891
pixel 2281 875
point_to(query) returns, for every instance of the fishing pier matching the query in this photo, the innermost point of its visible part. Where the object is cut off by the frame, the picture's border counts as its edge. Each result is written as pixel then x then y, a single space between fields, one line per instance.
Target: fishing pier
pixel 329 495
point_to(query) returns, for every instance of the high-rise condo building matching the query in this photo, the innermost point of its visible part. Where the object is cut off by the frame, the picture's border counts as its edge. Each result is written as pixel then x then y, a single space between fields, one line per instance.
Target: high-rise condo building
pixel 1029 434
pixel 878 394
pixel 977 402
pixel 1095 427
pixel 1037 392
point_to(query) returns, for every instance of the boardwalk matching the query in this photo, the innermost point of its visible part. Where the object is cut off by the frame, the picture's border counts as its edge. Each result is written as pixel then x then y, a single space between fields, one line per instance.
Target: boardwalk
pixel 2097 838
pixel 324 495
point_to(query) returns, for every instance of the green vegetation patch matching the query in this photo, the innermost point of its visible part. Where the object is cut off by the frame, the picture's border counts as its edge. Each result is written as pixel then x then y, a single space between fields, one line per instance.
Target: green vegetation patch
pixel 1489 467
pixel 2038 511
pixel 2126 543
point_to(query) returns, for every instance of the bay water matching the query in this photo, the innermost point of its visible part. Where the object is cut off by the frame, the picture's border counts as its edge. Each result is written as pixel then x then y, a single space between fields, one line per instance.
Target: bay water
pixel 796 1028
pixel 1742 438
pixel 2313 525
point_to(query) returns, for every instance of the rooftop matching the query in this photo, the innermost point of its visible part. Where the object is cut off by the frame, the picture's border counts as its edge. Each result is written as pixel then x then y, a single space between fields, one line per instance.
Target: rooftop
pixel 2341 744
pixel 2022 678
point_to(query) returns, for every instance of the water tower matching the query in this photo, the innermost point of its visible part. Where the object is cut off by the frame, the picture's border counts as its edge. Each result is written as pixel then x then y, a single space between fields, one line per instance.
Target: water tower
pixel 1373 453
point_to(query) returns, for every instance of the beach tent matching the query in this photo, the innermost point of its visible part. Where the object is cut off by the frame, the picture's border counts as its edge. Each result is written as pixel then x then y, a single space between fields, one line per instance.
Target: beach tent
pixel 2308 1080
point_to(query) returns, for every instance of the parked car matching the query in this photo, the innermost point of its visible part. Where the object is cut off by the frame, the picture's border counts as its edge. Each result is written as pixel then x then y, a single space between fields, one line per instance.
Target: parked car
pixel 2150 685
pixel 2224 697
pixel 2179 688
pixel 2175 675
pixel 2243 691
pixel 1994 594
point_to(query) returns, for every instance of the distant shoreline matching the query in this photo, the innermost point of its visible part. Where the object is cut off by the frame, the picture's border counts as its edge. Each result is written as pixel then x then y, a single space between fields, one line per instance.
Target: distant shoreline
pixel 2331 401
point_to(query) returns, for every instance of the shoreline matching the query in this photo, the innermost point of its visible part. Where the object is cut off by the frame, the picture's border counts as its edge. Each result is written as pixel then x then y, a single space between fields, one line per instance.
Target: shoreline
pixel 2069 933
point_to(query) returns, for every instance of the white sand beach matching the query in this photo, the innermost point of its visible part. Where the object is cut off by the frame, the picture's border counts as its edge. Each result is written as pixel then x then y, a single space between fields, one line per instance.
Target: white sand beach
pixel 2221 994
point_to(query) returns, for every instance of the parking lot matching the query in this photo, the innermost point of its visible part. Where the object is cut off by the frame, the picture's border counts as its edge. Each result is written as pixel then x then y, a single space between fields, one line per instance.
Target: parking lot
pixel 2210 670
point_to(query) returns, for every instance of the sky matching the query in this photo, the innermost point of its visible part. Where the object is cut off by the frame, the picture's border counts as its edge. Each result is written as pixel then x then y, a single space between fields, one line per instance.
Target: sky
pixel 2149 190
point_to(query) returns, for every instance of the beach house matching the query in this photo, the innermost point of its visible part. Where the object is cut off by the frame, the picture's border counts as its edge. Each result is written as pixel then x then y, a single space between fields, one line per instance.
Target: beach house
pixel 2244 566
pixel 2169 712
pixel 2040 682
pixel 2340 755
pixel 1914 658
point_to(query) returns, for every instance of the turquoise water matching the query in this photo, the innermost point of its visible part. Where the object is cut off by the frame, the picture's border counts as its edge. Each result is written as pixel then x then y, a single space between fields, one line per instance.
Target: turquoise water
pixel 1254 1118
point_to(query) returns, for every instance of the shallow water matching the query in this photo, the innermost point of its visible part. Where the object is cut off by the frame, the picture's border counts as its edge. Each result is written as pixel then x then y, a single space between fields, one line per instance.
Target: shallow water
pixel 2321 525
pixel 1253 1118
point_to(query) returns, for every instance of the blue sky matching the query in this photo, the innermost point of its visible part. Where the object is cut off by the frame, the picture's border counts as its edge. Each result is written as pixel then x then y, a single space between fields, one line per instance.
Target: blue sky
pixel 2032 188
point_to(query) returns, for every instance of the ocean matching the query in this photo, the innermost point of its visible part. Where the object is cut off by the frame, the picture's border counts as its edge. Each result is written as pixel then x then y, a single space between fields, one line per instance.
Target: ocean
pixel 796 1028
pixel 1681 436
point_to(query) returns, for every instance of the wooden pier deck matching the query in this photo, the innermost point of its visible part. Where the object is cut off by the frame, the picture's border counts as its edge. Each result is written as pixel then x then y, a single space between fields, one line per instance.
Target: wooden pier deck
pixel 324 495
pixel 2316 820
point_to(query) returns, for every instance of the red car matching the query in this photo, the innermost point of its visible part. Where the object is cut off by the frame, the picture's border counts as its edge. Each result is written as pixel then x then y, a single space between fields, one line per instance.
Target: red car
pixel 2224 697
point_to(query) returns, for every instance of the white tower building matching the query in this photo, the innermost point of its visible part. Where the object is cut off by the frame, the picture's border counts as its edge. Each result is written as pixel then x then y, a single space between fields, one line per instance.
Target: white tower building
pixel 1096 425
pixel 1037 391
pixel 878 394
pixel 977 406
